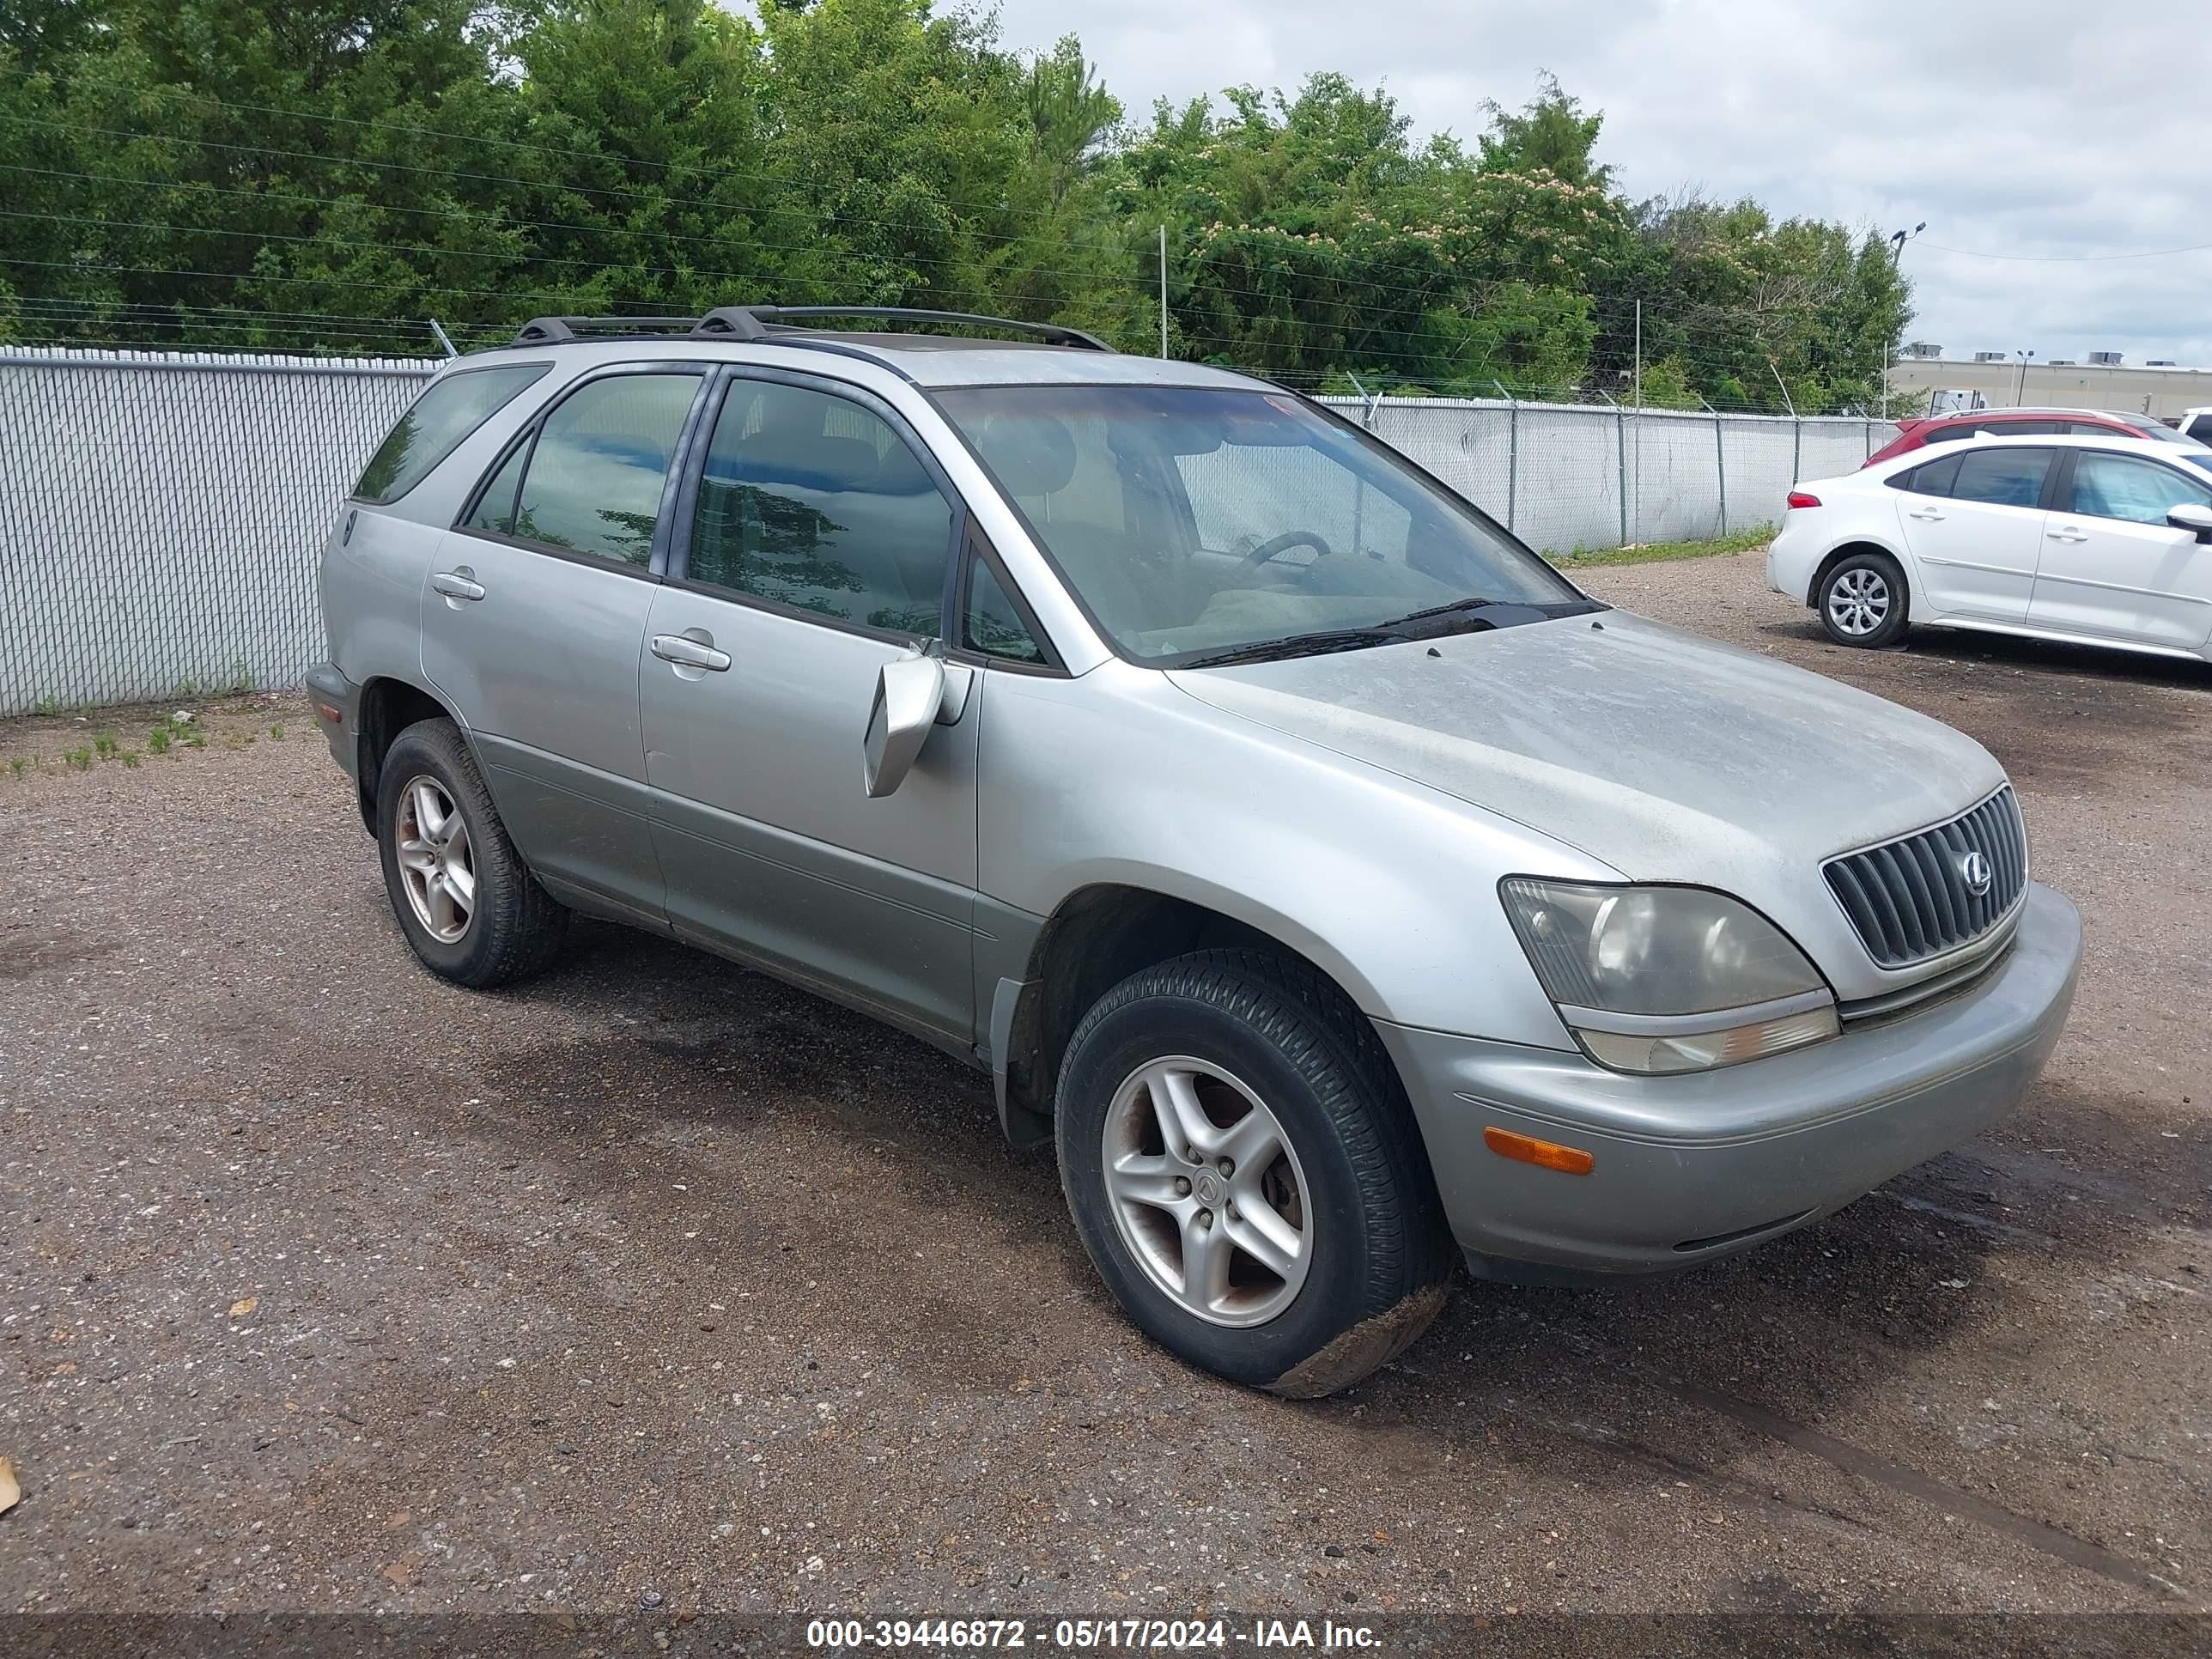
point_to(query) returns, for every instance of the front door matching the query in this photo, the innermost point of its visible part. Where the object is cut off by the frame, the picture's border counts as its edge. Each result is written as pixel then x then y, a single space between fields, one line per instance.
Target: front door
pixel 2113 567
pixel 817 552
pixel 534 620
pixel 1974 522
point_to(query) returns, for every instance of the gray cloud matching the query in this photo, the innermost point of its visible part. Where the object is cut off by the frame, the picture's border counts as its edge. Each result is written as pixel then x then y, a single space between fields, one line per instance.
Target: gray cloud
pixel 2039 127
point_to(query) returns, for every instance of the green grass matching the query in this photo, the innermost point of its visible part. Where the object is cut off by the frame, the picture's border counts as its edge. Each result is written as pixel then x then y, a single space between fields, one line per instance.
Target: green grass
pixel 80 759
pixel 1740 541
pixel 104 745
pixel 16 765
pixel 157 740
pixel 277 732
pixel 49 704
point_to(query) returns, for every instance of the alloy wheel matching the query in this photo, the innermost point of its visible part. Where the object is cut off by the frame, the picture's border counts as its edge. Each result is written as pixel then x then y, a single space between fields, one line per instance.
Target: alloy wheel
pixel 435 863
pixel 1206 1191
pixel 1858 602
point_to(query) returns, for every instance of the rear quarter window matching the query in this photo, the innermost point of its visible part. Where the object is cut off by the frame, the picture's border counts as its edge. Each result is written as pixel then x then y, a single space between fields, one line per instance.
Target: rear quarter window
pixel 1934 479
pixel 436 423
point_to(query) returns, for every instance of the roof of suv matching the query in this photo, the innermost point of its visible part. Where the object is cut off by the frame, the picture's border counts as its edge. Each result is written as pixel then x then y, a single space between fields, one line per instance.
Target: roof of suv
pixel 2033 412
pixel 1040 353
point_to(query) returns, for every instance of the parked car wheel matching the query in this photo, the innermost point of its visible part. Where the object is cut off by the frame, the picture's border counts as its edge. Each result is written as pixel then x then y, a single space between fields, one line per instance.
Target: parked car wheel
pixel 467 903
pixel 1247 1175
pixel 1862 600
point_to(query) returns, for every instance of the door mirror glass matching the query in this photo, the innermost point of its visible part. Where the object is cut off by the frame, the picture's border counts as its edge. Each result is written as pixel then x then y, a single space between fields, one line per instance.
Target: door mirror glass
pixel 908 692
pixel 2190 516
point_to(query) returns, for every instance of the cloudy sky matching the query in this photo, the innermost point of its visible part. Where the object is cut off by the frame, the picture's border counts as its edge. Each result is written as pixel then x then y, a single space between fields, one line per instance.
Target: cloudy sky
pixel 2044 128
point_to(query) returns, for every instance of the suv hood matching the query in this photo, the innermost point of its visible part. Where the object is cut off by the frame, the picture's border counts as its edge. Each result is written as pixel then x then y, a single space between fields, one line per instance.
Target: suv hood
pixel 1664 755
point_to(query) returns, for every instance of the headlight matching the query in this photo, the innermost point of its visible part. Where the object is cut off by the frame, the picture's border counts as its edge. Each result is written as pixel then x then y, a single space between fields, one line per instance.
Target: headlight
pixel 1667 979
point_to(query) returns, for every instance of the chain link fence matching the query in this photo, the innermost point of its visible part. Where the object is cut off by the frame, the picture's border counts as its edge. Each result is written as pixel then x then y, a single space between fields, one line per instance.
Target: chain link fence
pixel 160 512
pixel 1578 477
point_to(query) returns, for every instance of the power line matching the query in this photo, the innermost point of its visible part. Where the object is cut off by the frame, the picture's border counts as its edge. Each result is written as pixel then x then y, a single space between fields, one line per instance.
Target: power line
pixel 2070 259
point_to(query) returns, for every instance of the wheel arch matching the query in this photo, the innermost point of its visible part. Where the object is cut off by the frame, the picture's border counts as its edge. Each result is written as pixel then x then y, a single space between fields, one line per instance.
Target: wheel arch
pixel 1098 936
pixel 1857 544
pixel 387 707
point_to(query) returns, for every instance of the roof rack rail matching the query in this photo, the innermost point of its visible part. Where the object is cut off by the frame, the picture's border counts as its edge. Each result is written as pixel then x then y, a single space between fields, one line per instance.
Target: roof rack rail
pixel 555 330
pixel 754 322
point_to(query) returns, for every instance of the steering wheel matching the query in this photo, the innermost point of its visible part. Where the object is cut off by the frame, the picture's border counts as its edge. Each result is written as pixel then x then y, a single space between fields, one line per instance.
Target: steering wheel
pixel 1283 544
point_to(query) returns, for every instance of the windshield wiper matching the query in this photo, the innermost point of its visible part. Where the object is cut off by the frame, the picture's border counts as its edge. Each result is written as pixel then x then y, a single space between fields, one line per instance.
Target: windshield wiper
pixel 1295 645
pixel 1510 611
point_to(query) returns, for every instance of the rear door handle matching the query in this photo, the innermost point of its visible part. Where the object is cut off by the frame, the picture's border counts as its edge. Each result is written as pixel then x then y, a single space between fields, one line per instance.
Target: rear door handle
pixel 2066 535
pixel 460 583
pixel 1928 514
pixel 690 651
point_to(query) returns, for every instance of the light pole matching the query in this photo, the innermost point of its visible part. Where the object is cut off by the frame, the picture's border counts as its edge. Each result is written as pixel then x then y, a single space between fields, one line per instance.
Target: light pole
pixel 2020 397
pixel 1898 239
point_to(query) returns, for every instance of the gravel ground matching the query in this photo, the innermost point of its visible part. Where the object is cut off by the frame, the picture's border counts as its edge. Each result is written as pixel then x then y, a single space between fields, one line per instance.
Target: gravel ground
pixel 324 1285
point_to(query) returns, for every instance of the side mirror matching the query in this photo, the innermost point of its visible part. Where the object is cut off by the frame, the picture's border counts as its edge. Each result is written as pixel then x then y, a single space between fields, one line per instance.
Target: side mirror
pixel 909 691
pixel 2190 516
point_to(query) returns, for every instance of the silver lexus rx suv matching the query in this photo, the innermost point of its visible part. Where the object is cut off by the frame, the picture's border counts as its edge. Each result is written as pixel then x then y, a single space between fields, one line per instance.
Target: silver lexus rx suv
pixel 1330 883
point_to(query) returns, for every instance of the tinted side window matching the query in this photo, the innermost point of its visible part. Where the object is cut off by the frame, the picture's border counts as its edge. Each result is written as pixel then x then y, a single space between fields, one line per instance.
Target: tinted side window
pixel 813 502
pixel 993 625
pixel 600 465
pixel 1947 434
pixel 2003 477
pixel 1934 479
pixel 2201 428
pixel 435 424
pixel 495 507
pixel 2118 487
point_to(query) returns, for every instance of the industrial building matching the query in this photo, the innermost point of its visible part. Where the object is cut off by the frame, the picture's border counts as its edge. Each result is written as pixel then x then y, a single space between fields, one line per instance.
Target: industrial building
pixel 2097 380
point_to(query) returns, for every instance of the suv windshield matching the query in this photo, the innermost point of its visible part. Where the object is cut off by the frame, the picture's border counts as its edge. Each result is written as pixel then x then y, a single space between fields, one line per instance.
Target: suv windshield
pixel 2155 429
pixel 1198 524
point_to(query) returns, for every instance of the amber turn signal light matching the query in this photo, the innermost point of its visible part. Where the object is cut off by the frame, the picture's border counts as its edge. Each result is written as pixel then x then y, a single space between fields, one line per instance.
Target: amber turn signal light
pixel 1544 1154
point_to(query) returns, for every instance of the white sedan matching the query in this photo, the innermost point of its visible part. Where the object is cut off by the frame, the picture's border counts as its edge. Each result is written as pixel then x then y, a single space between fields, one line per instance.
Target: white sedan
pixel 2098 540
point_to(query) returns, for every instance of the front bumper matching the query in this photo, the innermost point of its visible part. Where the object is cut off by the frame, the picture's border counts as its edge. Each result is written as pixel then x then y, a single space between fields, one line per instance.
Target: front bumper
pixel 1693 1167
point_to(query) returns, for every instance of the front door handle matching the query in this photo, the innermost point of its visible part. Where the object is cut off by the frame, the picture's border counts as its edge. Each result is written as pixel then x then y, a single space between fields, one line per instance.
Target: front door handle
pixel 694 649
pixel 2069 534
pixel 1927 514
pixel 458 583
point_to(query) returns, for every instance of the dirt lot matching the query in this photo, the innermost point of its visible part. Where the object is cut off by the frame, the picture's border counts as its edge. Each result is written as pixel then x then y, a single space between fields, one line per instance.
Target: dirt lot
pixel 323 1285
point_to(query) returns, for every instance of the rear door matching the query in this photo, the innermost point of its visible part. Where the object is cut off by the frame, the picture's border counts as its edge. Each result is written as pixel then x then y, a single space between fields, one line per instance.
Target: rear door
pixel 1974 523
pixel 819 548
pixel 2113 567
pixel 534 619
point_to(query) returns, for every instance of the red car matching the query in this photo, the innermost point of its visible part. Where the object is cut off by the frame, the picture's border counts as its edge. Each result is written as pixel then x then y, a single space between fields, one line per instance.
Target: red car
pixel 2022 423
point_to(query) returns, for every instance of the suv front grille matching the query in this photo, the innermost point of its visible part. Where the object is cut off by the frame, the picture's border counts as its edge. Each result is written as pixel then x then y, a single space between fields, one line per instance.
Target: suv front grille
pixel 1909 898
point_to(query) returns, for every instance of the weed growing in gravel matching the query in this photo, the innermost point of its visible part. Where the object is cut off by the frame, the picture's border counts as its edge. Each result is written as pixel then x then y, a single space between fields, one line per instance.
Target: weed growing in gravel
pixel 157 740
pixel 195 740
pixel 79 759
pixel 49 704
pixel 105 745
pixel 277 732
pixel 130 757
pixel 16 765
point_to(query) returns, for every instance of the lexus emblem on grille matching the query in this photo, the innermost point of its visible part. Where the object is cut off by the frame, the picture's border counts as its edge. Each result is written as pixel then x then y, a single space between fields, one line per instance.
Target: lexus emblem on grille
pixel 1974 870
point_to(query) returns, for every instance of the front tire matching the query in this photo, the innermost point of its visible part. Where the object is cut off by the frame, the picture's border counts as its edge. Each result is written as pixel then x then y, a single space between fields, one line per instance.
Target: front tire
pixel 1862 601
pixel 467 903
pixel 1246 1174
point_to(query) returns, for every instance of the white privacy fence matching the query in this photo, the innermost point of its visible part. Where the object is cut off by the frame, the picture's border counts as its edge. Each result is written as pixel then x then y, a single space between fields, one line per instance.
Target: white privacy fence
pixel 1568 477
pixel 160 512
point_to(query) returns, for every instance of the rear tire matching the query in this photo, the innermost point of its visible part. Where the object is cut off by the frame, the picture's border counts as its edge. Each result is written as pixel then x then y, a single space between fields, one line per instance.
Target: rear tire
pixel 1320 1258
pixel 1862 601
pixel 464 899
